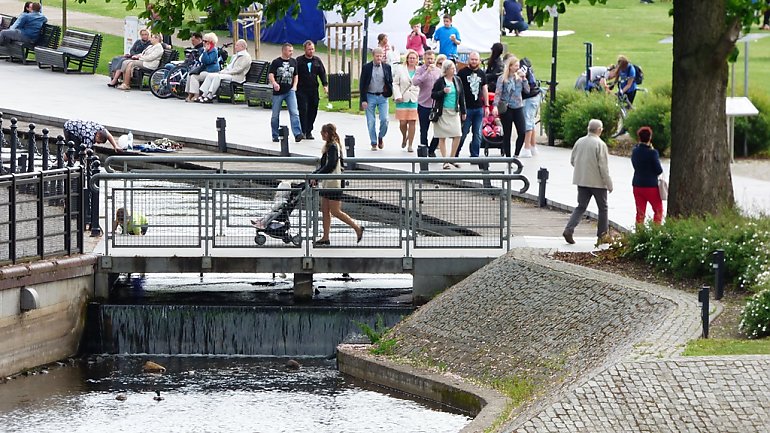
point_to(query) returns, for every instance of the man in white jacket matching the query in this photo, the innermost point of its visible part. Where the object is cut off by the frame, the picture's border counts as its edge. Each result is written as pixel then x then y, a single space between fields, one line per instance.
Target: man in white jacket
pixel 592 177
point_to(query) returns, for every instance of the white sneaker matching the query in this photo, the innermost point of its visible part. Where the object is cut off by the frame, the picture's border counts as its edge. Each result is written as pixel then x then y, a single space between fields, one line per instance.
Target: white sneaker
pixel 534 150
pixel 525 153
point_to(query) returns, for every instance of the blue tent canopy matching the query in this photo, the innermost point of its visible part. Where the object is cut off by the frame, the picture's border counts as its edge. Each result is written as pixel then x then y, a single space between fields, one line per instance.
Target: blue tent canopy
pixel 308 25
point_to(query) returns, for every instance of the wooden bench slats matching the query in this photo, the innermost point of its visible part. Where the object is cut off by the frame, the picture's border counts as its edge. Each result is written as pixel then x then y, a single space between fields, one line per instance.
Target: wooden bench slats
pixel 79 52
pixel 20 52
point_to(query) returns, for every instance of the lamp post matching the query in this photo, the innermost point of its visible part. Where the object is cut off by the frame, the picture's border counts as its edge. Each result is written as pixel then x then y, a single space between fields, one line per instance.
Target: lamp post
pixel 552 88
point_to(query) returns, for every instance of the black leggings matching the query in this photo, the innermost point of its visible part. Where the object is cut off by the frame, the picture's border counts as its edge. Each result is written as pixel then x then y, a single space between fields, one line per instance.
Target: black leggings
pixel 514 116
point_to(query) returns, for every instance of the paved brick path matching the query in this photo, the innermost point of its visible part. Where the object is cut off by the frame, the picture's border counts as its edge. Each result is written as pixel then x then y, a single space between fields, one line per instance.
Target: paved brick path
pixel 603 350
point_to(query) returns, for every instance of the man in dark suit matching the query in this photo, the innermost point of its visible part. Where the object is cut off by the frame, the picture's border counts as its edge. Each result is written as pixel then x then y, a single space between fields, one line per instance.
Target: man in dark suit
pixel 376 86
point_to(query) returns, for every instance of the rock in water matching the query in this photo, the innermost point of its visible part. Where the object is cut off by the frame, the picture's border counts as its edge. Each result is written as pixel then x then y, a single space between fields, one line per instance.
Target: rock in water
pixel 121 397
pixel 151 367
pixel 293 364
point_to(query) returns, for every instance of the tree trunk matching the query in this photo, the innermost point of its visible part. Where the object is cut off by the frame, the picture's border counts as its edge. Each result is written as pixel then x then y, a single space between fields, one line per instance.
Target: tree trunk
pixel 700 159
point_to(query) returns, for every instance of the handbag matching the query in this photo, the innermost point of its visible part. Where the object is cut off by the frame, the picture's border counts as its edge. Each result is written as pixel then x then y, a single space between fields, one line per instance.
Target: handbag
pixel 502 106
pixel 435 112
pixel 196 68
pixel 663 188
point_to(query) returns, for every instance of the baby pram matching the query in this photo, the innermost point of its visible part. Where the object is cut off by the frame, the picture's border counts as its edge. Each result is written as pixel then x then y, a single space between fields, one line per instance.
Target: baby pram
pixel 491 130
pixel 276 223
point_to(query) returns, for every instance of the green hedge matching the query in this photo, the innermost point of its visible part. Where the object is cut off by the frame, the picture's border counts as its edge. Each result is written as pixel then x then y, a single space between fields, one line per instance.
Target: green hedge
pixel 684 246
pixel 553 118
pixel 654 111
pixel 576 115
pixel 755 317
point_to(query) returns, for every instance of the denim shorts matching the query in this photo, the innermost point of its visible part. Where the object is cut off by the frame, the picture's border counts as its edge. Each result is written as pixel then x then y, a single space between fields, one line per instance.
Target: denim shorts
pixel 530 112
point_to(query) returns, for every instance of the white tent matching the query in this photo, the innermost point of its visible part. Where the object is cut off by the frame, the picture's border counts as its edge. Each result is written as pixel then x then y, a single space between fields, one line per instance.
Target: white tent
pixel 478 30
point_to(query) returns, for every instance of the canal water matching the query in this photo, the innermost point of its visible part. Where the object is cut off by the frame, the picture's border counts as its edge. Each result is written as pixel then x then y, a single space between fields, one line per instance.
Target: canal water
pixel 180 320
pixel 211 395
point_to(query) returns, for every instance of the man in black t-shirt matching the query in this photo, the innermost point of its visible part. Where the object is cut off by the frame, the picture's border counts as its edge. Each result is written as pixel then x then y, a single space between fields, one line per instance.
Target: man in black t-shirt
pixel 282 75
pixel 476 102
pixel 310 70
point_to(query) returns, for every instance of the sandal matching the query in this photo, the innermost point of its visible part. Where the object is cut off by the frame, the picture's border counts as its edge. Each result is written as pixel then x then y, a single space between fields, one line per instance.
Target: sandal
pixel 360 235
pixel 447 166
pixel 111 85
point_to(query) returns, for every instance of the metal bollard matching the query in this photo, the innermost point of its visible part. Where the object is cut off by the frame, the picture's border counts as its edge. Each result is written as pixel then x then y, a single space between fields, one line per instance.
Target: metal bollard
pixel 422 152
pixel 95 229
pixel 31 149
pixel 703 298
pixel 283 132
pixel 542 178
pixel 45 151
pixel 221 134
pixel 350 151
pixel 14 143
pixel 718 263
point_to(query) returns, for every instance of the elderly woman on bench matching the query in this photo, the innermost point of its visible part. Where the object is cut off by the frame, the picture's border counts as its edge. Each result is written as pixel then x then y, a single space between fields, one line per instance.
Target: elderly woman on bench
pixel 149 59
pixel 235 72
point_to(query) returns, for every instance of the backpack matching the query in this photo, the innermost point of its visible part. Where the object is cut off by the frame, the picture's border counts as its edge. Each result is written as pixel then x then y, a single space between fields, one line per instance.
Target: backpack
pixel 534 84
pixel 639 75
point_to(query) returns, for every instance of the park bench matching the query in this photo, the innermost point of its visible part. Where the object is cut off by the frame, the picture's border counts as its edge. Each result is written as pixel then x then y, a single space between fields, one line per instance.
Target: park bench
pixel 257 73
pixel 19 51
pixel 259 92
pixel 79 52
pixel 169 55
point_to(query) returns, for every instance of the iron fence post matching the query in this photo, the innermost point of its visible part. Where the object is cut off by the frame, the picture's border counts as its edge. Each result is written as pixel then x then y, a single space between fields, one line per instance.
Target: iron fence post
pixel 71 154
pixel 31 149
pixel 14 143
pixel 46 152
pixel 40 216
pixel 68 212
pixel 82 154
pixel 60 151
pixel 12 220
pixel 85 191
pixel 95 228
pixel 2 143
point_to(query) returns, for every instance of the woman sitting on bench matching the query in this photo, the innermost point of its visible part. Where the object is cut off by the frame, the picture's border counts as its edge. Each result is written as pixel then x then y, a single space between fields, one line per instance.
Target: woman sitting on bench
pixel 149 59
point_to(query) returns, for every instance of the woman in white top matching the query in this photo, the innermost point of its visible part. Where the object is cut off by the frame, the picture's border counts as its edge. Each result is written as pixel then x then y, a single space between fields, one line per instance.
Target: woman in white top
pixel 391 54
pixel 149 59
pixel 405 93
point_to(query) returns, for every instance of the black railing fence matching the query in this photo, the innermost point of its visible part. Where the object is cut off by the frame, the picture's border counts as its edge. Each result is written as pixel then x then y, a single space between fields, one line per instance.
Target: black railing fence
pixel 45 205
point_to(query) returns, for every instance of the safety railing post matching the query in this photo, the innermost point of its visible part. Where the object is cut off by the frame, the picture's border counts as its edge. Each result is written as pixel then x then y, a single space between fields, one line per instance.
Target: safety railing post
pixel 45 152
pixel 94 168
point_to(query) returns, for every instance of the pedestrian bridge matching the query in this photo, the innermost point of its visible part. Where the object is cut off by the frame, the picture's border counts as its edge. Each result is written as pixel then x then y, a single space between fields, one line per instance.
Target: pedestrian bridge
pixel 437 226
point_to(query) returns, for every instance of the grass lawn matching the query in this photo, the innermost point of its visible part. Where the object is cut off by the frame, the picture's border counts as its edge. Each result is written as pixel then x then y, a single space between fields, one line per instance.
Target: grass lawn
pixel 114 8
pixel 721 347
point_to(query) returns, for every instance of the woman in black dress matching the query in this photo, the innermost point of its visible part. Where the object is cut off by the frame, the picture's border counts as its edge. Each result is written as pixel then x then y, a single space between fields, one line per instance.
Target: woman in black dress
pixel 331 192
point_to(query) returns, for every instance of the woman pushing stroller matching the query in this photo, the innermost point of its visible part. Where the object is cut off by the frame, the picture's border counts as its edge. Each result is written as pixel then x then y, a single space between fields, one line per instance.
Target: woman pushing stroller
pixel 331 192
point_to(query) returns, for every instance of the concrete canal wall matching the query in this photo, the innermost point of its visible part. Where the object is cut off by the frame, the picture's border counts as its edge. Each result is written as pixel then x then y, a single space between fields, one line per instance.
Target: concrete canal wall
pixel 43 310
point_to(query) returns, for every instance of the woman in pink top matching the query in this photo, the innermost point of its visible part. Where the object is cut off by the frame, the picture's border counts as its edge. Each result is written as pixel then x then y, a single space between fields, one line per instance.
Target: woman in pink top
pixel 416 41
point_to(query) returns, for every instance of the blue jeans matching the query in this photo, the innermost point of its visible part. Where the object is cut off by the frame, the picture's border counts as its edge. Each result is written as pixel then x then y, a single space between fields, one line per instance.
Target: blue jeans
pixel 291 103
pixel 473 118
pixel 373 102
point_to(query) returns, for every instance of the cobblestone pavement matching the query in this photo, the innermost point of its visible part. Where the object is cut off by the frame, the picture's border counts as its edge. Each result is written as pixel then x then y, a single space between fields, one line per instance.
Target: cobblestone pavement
pixel 602 350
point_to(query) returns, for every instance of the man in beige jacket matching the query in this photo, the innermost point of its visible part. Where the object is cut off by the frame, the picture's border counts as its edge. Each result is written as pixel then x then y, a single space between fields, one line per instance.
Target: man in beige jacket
pixel 235 71
pixel 592 177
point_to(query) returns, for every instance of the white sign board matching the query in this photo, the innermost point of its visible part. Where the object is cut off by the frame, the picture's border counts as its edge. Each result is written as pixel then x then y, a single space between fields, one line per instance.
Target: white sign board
pixel 131 28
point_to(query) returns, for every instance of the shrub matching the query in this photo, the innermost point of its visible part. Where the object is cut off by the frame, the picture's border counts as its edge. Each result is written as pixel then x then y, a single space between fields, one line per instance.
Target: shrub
pixel 662 90
pixel 684 247
pixel 653 111
pixel 593 106
pixel 755 129
pixel 563 99
pixel 755 317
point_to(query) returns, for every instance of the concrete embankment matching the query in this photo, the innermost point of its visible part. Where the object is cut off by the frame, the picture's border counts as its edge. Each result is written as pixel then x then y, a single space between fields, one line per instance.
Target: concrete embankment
pixel 528 319
pixel 42 310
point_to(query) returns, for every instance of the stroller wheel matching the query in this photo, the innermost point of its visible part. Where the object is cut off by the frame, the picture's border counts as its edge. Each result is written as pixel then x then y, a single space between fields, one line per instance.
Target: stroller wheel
pixel 260 239
pixel 296 240
pixel 286 239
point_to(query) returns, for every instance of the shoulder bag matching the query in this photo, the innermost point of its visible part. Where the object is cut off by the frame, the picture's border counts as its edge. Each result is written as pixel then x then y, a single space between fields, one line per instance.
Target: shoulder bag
pixel 663 188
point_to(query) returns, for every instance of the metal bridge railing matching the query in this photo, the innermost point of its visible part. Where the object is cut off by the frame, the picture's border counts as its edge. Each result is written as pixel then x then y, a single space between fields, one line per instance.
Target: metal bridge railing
pixel 214 211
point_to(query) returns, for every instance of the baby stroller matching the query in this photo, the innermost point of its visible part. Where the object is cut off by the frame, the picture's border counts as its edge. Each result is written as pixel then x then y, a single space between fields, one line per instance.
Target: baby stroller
pixel 276 223
pixel 491 130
